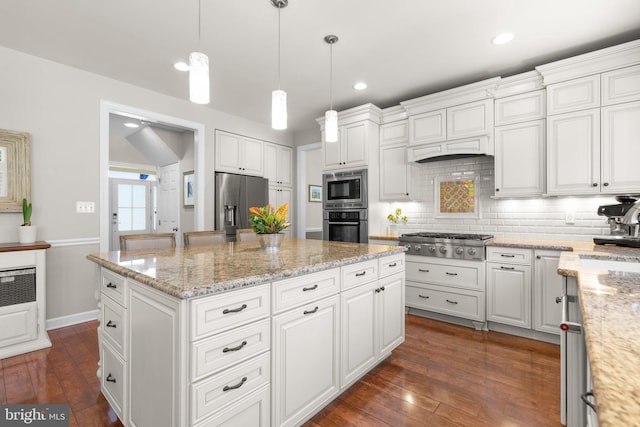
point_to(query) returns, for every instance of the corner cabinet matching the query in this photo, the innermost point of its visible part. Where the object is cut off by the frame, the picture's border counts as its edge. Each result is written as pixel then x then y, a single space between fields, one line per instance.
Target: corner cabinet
pixel 238 154
pixel 395 170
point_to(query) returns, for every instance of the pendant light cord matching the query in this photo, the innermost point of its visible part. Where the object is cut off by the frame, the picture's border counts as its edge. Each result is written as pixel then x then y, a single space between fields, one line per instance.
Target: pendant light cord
pixel 199 22
pixel 279 9
pixel 331 76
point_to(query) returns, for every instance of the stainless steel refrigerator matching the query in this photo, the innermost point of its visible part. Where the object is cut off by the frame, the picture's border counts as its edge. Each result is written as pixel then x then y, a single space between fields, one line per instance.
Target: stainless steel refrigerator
pixel 235 194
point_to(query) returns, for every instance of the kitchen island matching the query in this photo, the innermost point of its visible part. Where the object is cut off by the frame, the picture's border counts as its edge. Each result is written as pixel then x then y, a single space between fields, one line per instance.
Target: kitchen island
pixel 230 334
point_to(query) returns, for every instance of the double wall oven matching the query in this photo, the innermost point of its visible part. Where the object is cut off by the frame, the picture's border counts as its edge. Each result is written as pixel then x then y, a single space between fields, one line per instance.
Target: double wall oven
pixel 345 206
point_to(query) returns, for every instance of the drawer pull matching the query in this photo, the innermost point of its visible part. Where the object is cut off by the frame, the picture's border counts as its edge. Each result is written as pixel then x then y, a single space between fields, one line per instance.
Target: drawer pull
pixel 451 274
pixel 507 268
pixel 507 256
pixel 234 310
pixel 312 288
pixel 310 311
pixel 110 324
pixel 233 387
pixel 424 296
pixel 421 270
pixel 361 274
pixel 111 285
pixel 451 302
pixel 380 289
pixel 227 349
pixel 393 264
pixel 110 378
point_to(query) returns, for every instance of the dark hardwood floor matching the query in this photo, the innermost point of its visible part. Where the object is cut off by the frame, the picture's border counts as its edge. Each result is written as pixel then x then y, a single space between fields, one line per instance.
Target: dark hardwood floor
pixel 443 375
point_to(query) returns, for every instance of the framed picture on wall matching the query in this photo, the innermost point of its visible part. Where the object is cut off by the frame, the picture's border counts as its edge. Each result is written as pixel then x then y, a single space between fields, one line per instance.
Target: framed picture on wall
pixel 15 179
pixel 456 197
pixel 315 193
pixel 188 192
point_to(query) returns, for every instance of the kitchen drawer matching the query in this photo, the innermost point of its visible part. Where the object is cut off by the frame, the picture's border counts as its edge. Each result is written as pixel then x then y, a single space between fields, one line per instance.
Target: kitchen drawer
pixel 392 264
pixel 113 379
pixel 304 289
pixel 114 286
pixel 218 313
pixel 113 324
pixel 357 274
pixel 220 351
pixel 509 255
pixel 453 302
pixel 254 411
pixel 215 393
pixel 459 274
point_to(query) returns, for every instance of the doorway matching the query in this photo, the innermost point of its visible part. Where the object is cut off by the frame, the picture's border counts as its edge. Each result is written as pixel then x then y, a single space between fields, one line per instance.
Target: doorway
pixel 106 110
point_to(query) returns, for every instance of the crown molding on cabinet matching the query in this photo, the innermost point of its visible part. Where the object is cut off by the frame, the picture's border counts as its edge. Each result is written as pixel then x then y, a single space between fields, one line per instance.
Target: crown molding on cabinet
pixel 520 83
pixel 393 114
pixel 356 114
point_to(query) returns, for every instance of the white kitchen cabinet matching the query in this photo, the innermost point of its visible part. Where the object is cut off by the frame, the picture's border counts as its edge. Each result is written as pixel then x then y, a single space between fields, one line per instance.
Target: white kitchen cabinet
pixel 621 85
pixel 251 411
pixel 524 107
pixel 278 164
pixel 390 311
pixel 395 173
pixel 520 159
pixel 573 153
pixel 279 195
pixel 394 133
pixel 306 361
pixel 509 294
pixel 238 154
pixel 573 95
pixel 620 148
pixel 428 127
pixel 351 150
pixel 547 287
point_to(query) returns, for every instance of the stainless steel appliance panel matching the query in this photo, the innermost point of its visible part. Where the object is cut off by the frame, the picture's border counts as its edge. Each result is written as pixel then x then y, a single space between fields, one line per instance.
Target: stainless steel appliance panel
pixel 346 226
pixel 235 194
pixel 345 190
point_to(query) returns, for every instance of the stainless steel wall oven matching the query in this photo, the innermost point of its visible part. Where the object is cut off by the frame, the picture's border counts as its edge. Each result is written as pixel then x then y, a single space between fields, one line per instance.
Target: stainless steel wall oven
pixel 346 226
pixel 345 203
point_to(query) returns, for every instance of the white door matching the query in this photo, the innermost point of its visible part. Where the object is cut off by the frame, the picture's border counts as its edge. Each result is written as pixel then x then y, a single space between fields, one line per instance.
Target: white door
pixel 131 209
pixel 169 200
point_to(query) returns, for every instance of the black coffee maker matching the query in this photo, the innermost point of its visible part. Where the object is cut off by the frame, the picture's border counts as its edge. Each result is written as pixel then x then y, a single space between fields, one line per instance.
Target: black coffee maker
pixel 623 222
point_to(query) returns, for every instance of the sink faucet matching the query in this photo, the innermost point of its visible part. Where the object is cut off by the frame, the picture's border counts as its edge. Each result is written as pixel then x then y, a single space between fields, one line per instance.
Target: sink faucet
pixel 631 217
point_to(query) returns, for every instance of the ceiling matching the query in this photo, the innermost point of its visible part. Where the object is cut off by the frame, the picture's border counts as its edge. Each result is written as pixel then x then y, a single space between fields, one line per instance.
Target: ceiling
pixel 403 49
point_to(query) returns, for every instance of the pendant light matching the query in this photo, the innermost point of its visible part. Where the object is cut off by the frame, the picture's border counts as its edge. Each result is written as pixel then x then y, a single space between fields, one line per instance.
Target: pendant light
pixel 199 72
pixel 279 97
pixel 331 116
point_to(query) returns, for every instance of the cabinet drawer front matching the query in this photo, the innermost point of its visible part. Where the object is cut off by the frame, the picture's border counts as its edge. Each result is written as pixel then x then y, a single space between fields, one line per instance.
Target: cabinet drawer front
pixel 113 324
pixel 114 285
pixel 469 305
pixel 254 411
pixel 301 290
pixel 573 95
pixel 213 394
pixel 468 277
pixel 357 274
pixel 389 265
pixel 218 313
pixel 18 259
pixel 520 108
pixel 113 379
pixel 18 323
pixel 621 86
pixel 220 351
pixel 509 255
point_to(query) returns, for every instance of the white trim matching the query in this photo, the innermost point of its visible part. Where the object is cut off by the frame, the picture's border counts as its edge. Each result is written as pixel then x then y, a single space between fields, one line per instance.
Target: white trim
pixel 74 242
pixel 106 108
pixel 301 157
pixel 313 230
pixel 72 319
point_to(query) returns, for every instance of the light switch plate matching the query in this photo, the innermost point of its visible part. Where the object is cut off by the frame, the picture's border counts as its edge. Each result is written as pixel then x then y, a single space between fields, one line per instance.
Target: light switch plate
pixel 85 207
pixel 570 217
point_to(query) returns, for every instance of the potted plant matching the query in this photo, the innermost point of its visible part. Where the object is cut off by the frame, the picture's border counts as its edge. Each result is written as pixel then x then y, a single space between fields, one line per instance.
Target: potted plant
pixel 26 232
pixel 268 223
pixel 394 221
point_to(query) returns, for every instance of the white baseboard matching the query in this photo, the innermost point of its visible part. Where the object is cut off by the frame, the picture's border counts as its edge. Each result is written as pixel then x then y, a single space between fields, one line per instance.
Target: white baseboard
pixel 72 319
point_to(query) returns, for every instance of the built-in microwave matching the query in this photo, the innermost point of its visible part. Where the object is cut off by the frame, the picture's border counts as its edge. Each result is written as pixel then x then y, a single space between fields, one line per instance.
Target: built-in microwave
pixel 345 190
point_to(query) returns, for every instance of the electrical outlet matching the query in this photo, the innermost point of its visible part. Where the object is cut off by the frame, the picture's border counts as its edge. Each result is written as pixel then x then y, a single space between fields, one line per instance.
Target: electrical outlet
pixel 570 217
pixel 85 207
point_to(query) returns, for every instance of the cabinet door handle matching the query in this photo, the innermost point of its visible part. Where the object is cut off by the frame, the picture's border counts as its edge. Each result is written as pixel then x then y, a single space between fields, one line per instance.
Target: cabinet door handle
pixel 507 256
pixel 452 302
pixel 558 300
pixel 234 310
pixel 378 290
pixel 233 387
pixel 421 270
pixel 606 184
pixel 110 378
pixel 361 274
pixel 394 264
pixel 110 324
pixel 507 268
pixel 595 184
pixel 586 401
pixel 227 349
pixel 382 288
pixel 312 288
pixel 424 296
pixel 538 257
pixel 310 311
pixel 451 274
pixel 111 285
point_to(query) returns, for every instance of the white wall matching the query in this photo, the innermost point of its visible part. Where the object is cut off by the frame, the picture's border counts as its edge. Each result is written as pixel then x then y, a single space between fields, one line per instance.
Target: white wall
pixel 533 218
pixel 313 176
pixel 59 106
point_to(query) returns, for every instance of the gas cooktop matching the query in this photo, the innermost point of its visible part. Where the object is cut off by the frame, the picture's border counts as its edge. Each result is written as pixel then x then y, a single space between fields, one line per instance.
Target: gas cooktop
pixel 446 245
pixel 438 235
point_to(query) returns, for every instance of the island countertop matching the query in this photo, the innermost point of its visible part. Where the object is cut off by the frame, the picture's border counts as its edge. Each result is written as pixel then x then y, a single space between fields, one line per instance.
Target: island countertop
pixel 609 290
pixel 205 270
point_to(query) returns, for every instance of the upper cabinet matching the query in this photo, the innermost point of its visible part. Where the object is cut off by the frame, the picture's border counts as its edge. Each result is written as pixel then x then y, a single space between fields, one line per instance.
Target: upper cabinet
pixel 278 164
pixel 573 95
pixel 621 86
pixel 238 154
pixel 395 170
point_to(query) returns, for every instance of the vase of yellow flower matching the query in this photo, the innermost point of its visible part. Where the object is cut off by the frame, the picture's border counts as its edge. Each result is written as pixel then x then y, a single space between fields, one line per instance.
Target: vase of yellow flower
pixel 268 223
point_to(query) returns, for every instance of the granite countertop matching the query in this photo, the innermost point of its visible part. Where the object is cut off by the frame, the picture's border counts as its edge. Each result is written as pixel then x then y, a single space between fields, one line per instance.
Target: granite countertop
pixel 610 301
pixel 392 237
pixel 204 270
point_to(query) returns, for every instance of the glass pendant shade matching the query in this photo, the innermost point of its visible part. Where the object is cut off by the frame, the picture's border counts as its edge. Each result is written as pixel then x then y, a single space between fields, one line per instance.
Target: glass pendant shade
pixel 279 109
pixel 199 78
pixel 331 126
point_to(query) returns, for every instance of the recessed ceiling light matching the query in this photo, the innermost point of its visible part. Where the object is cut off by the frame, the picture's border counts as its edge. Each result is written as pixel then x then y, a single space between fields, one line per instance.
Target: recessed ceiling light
pixel 502 38
pixel 132 125
pixel 181 66
pixel 360 86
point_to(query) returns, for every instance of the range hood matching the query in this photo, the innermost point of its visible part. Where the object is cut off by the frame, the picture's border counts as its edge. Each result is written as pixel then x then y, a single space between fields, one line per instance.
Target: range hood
pixel 447 150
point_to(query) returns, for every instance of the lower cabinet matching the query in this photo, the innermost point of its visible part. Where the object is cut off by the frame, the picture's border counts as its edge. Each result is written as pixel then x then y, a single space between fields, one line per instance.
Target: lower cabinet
pixel 509 294
pixel 547 288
